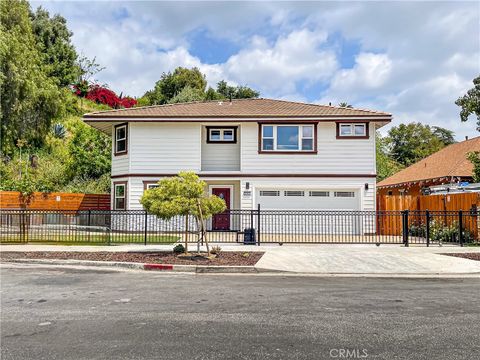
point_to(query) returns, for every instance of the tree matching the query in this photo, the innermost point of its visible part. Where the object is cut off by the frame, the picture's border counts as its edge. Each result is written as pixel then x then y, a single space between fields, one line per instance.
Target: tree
pixel 182 195
pixel 29 98
pixel 474 158
pixel 187 94
pixel 470 102
pixel 53 40
pixel 386 166
pixel 235 92
pixel 345 105
pixel 412 142
pixel 171 84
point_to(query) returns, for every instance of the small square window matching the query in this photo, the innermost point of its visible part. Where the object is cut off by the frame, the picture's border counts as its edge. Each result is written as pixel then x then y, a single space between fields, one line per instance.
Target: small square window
pixel 307 144
pixel 220 135
pixel 267 144
pixel 352 130
pixel 307 131
pixel 359 129
pixel 345 130
pixel 215 135
pixel 267 131
pixel 227 135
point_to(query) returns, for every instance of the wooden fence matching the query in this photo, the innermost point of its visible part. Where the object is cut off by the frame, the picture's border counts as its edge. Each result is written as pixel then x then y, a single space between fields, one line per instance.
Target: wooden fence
pixel 447 204
pixel 54 201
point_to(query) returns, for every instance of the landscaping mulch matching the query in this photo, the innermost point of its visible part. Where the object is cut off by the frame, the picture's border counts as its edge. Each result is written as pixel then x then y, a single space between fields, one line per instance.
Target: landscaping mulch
pixel 224 258
pixel 471 256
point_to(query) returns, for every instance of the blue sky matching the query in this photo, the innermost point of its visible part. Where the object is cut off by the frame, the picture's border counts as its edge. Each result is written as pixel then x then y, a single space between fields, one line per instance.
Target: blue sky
pixel 412 59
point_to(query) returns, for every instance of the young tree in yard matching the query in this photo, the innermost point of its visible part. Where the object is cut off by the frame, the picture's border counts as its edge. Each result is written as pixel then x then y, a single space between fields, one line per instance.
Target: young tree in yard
pixel 470 102
pixel 386 166
pixel 182 195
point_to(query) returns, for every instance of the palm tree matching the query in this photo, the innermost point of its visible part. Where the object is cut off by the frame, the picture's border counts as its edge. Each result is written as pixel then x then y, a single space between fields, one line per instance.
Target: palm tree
pixel 345 105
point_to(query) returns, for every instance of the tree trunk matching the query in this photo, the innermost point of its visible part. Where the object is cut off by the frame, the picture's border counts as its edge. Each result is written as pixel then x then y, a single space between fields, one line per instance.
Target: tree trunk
pixel 186 234
pixel 203 227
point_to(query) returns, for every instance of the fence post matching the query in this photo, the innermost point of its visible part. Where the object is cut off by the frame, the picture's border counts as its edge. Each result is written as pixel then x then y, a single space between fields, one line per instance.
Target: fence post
pixel 146 227
pixel 258 224
pixel 405 227
pixel 427 225
pixel 88 223
pixel 23 225
pixel 460 227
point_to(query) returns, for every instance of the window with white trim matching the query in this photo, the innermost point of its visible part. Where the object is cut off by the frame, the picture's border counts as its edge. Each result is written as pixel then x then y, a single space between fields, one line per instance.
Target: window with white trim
pixel 151 186
pixel 119 196
pixel 352 130
pixel 287 138
pixel 121 139
pixel 221 135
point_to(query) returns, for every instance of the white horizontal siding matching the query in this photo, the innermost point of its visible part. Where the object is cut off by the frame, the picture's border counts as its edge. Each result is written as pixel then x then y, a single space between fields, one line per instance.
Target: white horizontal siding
pixel 335 156
pixel 164 148
pixel 220 156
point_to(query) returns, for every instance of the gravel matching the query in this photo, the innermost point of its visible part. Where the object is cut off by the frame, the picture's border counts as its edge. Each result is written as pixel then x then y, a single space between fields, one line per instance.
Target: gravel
pixel 224 258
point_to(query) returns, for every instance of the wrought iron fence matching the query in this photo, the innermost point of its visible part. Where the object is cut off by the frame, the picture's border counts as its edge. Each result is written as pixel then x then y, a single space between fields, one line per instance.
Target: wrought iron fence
pixel 241 226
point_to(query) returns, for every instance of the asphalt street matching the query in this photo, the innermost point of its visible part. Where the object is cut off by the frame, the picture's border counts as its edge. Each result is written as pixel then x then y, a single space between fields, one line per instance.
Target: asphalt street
pixel 60 313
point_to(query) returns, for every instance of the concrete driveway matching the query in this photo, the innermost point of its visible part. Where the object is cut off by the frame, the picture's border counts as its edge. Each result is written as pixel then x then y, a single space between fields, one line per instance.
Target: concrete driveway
pixel 369 259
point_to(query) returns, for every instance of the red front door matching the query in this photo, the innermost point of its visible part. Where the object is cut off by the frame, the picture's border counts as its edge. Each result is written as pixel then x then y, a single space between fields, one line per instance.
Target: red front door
pixel 222 221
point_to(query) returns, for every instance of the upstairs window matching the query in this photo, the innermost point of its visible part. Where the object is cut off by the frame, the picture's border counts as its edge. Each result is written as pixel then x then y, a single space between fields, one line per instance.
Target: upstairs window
pixel 221 135
pixel 287 138
pixel 120 142
pixel 352 130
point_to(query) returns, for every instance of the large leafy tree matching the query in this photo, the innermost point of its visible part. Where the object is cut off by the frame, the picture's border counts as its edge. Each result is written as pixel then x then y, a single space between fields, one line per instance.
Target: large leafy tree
pixel 53 39
pixel 409 143
pixel 470 103
pixel 30 98
pixel 235 92
pixel 386 166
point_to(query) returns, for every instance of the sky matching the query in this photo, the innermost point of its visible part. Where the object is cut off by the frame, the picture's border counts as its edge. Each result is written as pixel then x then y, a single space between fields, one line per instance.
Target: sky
pixel 412 59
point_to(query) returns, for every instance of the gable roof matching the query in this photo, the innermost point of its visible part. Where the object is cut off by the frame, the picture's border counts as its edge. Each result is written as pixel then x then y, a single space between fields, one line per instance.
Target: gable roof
pixel 451 161
pixel 240 108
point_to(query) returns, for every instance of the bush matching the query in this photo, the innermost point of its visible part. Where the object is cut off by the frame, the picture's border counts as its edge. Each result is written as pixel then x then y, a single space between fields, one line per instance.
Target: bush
pixel 179 249
pixel 215 250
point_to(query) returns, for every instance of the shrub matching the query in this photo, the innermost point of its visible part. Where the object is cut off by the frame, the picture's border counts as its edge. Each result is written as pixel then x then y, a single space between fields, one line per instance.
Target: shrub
pixel 179 249
pixel 216 250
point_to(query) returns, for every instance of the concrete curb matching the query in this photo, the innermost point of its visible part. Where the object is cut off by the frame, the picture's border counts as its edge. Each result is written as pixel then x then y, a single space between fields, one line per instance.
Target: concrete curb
pixel 140 266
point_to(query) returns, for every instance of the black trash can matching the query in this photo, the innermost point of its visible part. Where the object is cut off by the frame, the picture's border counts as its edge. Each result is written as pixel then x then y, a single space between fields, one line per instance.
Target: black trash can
pixel 249 237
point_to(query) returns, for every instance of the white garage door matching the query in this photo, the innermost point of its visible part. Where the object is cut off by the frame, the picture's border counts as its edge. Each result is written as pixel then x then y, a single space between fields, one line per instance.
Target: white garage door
pixel 304 199
pixel 329 222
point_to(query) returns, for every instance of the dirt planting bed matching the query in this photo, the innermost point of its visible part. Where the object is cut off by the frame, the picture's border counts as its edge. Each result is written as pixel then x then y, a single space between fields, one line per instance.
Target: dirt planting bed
pixel 224 258
pixel 471 256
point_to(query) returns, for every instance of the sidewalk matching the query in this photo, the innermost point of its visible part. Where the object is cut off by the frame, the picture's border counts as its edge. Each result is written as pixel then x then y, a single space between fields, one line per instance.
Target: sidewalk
pixel 327 259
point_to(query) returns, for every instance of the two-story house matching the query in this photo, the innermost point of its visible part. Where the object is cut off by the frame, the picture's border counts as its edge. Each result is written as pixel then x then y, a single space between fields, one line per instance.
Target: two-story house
pixel 279 154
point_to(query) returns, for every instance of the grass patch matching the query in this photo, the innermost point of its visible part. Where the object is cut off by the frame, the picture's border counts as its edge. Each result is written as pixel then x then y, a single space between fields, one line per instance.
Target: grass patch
pixel 92 239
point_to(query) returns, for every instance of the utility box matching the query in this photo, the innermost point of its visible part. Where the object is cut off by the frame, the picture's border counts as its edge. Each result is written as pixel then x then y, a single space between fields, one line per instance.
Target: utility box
pixel 249 237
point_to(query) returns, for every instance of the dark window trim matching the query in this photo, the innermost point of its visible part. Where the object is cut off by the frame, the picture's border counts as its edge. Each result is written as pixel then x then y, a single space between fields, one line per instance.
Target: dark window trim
pixel 294 152
pixel 367 130
pixel 125 152
pixel 148 182
pixel 125 183
pixel 234 128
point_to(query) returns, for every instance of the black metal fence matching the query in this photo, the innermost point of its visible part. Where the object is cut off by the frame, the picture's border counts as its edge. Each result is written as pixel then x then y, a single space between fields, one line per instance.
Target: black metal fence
pixel 240 226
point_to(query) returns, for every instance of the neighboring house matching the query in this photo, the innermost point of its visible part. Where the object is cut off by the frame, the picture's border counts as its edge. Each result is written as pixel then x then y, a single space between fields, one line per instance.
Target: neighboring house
pixel 447 166
pixel 279 154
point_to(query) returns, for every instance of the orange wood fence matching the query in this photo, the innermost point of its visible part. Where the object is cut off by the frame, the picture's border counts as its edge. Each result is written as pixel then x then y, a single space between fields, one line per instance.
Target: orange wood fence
pixel 392 225
pixel 54 201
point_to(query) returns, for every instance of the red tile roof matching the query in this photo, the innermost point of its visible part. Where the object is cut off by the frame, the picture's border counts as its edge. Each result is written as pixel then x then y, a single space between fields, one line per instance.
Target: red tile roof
pixel 451 161
pixel 243 108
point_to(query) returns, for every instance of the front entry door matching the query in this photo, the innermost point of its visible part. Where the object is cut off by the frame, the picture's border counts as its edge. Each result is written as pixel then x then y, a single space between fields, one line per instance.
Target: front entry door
pixel 222 221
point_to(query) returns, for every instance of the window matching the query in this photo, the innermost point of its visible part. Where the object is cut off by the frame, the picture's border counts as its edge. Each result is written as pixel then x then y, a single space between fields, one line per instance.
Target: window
pixel 293 193
pixel 344 194
pixel 320 193
pixel 151 186
pixel 221 135
pixel 121 139
pixel 352 130
pixel 120 196
pixel 269 193
pixel 290 138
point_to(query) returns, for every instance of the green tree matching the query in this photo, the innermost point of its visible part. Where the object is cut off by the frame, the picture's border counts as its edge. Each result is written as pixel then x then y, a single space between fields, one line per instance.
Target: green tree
pixel 182 195
pixel 474 158
pixel 409 143
pixel 345 105
pixel 187 94
pixel 53 39
pixel 386 166
pixel 236 92
pixel 470 102
pixel 172 83
pixel 29 98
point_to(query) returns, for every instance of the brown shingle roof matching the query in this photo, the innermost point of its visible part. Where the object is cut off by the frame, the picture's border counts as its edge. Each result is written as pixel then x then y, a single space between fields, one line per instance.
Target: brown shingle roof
pixel 448 162
pixel 244 108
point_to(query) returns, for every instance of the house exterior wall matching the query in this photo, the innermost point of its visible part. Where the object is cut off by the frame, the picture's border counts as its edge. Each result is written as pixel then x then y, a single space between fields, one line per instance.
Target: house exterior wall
pixel 220 156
